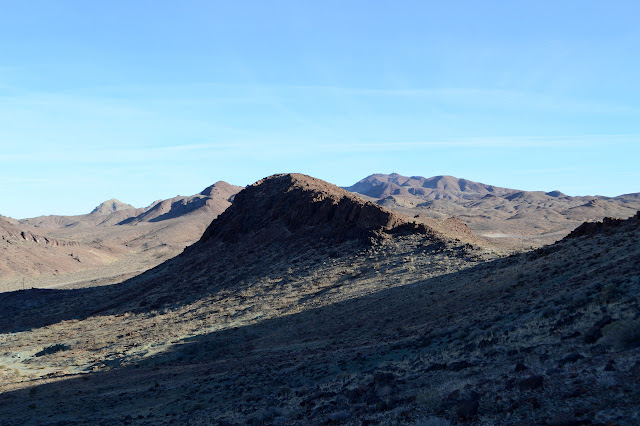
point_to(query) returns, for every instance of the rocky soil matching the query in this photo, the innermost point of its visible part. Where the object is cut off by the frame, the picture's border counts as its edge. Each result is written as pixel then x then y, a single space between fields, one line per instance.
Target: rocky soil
pixel 303 304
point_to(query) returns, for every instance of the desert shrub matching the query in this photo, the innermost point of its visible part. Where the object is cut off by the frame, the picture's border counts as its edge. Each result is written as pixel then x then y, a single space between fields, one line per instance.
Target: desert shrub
pixel 52 349
pixel 432 421
pixel 610 294
pixel 623 334
pixel 428 399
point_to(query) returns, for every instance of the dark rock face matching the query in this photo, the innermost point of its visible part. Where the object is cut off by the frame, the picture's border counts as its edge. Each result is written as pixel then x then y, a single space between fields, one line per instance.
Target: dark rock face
pixel 607 226
pixel 595 332
pixel 294 206
pixel 531 383
pixel 468 406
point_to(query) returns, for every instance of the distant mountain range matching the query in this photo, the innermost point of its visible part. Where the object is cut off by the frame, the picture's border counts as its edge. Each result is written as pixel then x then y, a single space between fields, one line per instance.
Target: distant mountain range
pixel 517 217
pixel 435 188
pixel 113 242
pixel 303 303
pixel 213 200
pixel 117 239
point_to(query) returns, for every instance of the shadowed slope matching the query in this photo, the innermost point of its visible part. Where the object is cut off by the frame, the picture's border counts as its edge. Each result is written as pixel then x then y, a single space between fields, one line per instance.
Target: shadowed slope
pixel 298 206
pixel 282 225
pixel 545 337
pixel 212 201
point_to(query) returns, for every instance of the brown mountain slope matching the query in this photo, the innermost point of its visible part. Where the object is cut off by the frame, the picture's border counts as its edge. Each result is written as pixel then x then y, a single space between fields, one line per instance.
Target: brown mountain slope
pixel 279 225
pixel 212 201
pixel 512 218
pixel 12 234
pixel 383 325
pixel 114 242
pixel 111 206
pixel 25 253
pixel 435 188
pixel 107 213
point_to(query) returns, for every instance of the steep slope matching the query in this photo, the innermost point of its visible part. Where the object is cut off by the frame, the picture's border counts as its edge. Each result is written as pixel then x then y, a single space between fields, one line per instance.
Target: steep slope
pixel 212 201
pixel 113 242
pixel 290 222
pixel 294 206
pixel 320 308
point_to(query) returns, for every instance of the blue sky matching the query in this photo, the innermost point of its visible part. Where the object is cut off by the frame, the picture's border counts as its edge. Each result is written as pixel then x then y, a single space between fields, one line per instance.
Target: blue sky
pixel 143 100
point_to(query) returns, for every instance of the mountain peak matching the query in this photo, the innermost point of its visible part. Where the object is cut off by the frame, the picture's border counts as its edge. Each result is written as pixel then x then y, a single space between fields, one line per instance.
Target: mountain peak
pixel 111 206
pixel 556 194
pixel 220 187
pixel 436 187
pixel 293 205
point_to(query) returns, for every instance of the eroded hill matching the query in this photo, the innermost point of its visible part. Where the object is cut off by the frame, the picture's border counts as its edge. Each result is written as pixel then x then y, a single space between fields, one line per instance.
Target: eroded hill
pixel 112 243
pixel 510 217
pixel 320 308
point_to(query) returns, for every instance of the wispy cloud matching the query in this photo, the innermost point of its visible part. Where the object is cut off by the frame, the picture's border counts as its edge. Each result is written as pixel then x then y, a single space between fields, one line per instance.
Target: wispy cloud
pixel 489 142
pixel 474 97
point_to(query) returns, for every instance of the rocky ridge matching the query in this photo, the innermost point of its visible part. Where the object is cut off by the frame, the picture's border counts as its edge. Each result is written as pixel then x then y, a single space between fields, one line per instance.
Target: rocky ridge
pixel 11 233
pixel 379 326
pixel 607 226
pixel 297 206
pixel 111 206
pixel 212 201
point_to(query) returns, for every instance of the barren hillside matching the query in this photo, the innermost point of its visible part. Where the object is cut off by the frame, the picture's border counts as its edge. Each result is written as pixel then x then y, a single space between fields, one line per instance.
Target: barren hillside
pixel 112 243
pixel 302 304
pixel 510 217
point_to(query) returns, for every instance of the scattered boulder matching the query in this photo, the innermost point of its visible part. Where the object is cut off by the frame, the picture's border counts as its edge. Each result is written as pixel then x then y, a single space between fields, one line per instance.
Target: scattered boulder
pixel 607 226
pixel 520 367
pixel 595 331
pixel 468 406
pixel 52 349
pixel 531 383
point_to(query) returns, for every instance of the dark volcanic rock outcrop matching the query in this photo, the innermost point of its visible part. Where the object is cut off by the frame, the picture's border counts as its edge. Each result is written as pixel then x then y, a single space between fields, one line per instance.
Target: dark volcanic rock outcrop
pixel 289 206
pixel 607 226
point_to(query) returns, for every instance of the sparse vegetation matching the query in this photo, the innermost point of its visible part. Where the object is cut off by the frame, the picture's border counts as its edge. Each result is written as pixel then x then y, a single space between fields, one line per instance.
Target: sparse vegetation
pixel 623 335
pixel 455 334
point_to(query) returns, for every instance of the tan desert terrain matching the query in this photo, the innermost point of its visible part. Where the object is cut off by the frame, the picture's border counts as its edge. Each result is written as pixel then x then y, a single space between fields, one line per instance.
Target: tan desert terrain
pixel 114 242
pixel 511 218
pixel 305 304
